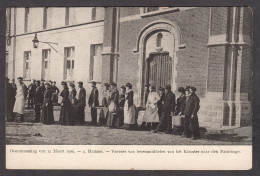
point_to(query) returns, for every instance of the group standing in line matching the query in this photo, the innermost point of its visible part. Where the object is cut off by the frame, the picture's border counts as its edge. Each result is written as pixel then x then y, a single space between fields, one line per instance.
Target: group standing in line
pixel 117 109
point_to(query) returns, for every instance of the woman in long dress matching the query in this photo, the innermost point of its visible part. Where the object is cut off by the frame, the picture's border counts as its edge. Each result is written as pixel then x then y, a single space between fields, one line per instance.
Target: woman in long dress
pixel 66 108
pixel 179 111
pixel 113 108
pixel 129 108
pixel 151 116
pixel 47 107
pixel 73 101
pixel 121 105
pixel 105 102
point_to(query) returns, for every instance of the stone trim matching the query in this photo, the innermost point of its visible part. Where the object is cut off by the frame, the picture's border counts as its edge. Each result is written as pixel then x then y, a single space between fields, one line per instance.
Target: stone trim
pixel 154 26
pixel 159 12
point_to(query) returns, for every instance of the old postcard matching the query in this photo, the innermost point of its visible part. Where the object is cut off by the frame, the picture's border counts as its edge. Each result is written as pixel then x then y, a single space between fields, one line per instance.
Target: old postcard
pixel 144 88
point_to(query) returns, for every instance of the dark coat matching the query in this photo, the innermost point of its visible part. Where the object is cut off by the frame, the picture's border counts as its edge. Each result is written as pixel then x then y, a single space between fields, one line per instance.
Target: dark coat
pixel 114 97
pixel 82 97
pixel 121 99
pixel 192 105
pixel 93 98
pixel 54 89
pixel 66 115
pixel 130 98
pixel 32 89
pixel 160 104
pixel 38 99
pixel 47 108
pixel 169 103
pixel 8 100
pixel 180 107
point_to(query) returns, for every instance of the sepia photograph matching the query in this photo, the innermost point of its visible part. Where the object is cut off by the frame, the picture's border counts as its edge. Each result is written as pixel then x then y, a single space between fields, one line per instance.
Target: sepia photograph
pixel 129 76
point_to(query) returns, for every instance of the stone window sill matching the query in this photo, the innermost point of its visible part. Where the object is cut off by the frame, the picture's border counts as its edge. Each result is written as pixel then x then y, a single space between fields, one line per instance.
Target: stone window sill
pixel 159 12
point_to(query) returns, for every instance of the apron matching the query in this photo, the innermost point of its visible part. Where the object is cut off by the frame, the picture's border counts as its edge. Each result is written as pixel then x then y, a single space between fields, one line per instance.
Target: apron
pixel 129 115
pixel 20 101
pixel 151 112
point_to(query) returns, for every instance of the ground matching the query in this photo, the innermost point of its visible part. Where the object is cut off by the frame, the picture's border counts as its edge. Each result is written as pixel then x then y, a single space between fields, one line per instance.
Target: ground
pixel 26 133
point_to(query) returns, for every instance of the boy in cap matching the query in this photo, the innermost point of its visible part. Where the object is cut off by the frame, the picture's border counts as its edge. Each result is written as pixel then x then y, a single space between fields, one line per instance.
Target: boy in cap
pixel 81 103
pixel 38 102
pixel 93 103
pixel 191 123
pixel 32 90
pixel 8 100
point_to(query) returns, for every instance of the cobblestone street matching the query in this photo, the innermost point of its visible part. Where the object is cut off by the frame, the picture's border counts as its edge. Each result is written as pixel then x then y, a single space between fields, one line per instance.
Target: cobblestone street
pixel 24 133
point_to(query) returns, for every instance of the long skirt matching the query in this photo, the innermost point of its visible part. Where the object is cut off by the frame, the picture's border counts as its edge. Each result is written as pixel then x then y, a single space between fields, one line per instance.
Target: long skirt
pixel 47 115
pixel 129 114
pixel 103 115
pixel 66 115
pixel 19 105
pixel 151 115
pixel 80 116
pixel 113 119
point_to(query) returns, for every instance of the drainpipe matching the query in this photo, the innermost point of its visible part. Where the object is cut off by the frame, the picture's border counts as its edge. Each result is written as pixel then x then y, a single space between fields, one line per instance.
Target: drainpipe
pixel 116 44
pixel 14 46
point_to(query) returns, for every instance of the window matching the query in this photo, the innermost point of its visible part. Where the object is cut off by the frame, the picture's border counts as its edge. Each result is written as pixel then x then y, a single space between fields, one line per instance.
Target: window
pixel 27 11
pixel 152 9
pixel 67 16
pixel 94 13
pixel 95 62
pixel 8 20
pixel 27 64
pixel 46 59
pixel 45 15
pixel 159 40
pixel 6 64
pixel 69 54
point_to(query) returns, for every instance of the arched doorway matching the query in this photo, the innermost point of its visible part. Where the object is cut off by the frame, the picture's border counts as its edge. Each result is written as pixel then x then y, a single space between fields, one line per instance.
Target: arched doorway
pixel 157 45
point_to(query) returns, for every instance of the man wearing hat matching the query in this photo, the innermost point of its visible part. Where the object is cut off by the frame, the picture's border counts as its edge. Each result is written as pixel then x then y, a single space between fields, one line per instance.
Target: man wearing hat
pixel 32 90
pixel 55 92
pixel 81 103
pixel 93 102
pixel 38 99
pixel 191 123
pixel 8 100
pixel 13 94
pixel 20 100
pixel 168 109
pixel 54 88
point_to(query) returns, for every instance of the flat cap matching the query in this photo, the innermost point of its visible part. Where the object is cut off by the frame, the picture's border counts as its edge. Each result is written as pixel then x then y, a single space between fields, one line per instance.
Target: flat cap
pixel 168 87
pixel 80 83
pixel 129 85
pixel 63 83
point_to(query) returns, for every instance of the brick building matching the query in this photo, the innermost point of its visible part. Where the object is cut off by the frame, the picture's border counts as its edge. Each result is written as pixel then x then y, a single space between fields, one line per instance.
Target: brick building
pixel 206 47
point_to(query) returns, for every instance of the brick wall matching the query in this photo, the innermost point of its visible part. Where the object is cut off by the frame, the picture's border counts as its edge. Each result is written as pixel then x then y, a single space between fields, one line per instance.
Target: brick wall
pixel 192 61
pixel 218 20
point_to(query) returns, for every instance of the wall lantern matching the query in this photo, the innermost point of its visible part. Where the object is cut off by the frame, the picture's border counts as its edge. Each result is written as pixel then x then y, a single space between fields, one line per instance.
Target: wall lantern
pixel 36 43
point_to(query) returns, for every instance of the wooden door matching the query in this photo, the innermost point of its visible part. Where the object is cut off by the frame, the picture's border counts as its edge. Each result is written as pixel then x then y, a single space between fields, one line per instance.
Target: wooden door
pixel 160 70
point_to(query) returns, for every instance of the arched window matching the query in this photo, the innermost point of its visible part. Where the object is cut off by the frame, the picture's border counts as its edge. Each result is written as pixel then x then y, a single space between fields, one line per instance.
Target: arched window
pixel 159 40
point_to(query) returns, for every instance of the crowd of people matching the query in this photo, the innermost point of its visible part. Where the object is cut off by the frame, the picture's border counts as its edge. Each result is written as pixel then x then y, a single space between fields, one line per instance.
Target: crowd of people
pixel 117 109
